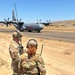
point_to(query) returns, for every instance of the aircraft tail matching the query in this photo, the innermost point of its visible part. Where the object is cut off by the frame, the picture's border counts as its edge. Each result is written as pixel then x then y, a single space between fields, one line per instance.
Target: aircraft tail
pixel 13 16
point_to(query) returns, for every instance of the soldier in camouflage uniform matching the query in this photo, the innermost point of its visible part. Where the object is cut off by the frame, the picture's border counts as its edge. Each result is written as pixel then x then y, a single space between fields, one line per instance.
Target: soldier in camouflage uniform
pixel 14 49
pixel 35 66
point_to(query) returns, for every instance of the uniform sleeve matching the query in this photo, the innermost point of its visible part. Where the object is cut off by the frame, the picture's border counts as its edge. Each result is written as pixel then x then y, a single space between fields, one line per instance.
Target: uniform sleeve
pixel 13 50
pixel 23 56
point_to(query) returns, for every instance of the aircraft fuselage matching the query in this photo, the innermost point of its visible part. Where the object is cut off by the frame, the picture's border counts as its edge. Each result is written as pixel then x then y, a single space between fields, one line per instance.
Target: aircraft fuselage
pixel 30 27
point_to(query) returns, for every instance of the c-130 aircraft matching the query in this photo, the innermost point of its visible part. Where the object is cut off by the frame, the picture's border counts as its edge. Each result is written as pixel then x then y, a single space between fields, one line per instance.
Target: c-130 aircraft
pixel 21 26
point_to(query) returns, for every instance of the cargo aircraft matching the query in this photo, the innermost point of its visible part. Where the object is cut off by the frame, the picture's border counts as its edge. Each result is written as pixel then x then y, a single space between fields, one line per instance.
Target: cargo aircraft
pixel 21 26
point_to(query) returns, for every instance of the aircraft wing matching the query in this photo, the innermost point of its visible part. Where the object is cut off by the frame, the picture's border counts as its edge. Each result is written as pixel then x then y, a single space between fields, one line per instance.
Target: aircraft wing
pixel 3 22
pixel 46 24
pixel 12 22
pixel 6 22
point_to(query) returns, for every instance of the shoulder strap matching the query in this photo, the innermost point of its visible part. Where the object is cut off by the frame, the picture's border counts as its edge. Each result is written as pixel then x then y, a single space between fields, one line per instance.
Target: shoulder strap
pixel 38 68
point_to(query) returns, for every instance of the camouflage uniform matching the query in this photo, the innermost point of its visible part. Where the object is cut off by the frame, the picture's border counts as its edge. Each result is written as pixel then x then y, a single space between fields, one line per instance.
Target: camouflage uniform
pixel 36 67
pixel 14 53
pixel 33 67
pixel 14 49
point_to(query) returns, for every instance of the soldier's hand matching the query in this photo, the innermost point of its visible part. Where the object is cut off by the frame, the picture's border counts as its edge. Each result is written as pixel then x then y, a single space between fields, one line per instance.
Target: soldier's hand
pixel 34 58
pixel 23 62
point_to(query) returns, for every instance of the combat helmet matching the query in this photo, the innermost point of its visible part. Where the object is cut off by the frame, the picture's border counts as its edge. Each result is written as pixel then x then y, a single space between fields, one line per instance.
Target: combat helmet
pixel 16 34
pixel 32 42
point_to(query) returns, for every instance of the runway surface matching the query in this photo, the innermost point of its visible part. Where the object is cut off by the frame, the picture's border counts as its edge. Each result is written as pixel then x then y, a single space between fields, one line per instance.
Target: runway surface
pixel 50 35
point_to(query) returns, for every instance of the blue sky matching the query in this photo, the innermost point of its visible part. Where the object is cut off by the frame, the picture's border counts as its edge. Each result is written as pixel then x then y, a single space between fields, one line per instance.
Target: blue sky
pixel 32 10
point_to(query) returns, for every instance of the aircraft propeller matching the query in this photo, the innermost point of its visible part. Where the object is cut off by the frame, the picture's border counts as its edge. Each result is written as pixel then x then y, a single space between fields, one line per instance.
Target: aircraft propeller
pixel 7 22
pixel 39 21
pixel 47 23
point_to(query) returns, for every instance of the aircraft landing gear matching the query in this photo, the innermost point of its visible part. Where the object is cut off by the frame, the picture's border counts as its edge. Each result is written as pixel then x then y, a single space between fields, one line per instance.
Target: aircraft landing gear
pixel 38 31
pixel 29 31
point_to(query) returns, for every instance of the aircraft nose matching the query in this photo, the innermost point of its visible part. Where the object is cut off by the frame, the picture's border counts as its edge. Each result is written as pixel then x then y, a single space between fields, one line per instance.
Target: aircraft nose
pixel 41 26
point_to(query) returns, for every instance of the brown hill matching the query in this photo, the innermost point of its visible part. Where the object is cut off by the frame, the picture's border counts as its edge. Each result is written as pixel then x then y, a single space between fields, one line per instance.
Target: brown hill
pixel 64 23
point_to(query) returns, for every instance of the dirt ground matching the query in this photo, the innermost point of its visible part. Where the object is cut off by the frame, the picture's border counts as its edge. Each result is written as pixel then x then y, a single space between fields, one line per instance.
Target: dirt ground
pixel 59 56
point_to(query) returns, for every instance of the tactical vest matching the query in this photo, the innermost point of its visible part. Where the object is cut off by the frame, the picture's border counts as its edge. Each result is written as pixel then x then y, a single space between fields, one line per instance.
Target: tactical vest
pixel 32 67
pixel 28 67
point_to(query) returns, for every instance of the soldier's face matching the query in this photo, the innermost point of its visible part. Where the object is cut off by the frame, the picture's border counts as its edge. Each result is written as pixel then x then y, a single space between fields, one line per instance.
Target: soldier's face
pixel 31 49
